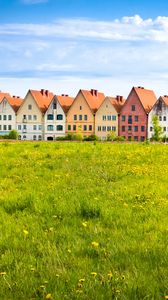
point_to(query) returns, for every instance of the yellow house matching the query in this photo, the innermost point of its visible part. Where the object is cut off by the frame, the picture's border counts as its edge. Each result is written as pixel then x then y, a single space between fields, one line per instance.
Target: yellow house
pixel 106 117
pixel 81 115
pixel 30 116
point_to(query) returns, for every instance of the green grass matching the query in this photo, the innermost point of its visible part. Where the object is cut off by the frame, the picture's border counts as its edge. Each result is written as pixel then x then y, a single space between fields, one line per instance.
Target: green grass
pixel 83 221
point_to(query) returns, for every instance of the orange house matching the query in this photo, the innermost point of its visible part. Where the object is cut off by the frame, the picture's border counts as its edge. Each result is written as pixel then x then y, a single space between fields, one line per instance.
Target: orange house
pixel 81 115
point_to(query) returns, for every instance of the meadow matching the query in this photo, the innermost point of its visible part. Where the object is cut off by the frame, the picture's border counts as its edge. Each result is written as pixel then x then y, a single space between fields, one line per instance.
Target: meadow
pixel 83 221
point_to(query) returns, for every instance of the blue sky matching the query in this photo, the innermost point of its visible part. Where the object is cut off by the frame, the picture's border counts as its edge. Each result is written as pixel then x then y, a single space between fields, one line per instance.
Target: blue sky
pixel 64 45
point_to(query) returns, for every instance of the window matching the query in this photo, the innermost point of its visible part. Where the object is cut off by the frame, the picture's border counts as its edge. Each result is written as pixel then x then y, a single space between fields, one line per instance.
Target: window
pixel 80 107
pixel 24 127
pixel 108 128
pixel 129 138
pixel 164 128
pixel 74 127
pixel 24 117
pixel 0 117
pixel 59 127
pixel 29 117
pixel 129 119
pixel 5 127
pixel 85 117
pixel 80 117
pixel 113 128
pixel 4 117
pixel 99 128
pixel 69 127
pixel 19 137
pixel 129 128
pixel 142 128
pixel 135 128
pixel 135 138
pixel 40 127
pixel 160 118
pixel 104 118
pixel 9 117
pixel 59 117
pixel 103 128
pixel 50 117
pixel 34 127
pixel 39 137
pixel 123 118
pixel 142 138
pixel 109 118
pixel 136 118
pixel 9 127
pixel 113 118
pixel 24 137
pixel 133 108
pixel 123 128
pixel 90 127
pixel 34 137
pixel 19 127
pixel 0 127
pixel 54 105
pixel 164 118
pixel 85 127
pixel 29 106
pixel 34 117
pixel 50 127
pixel 151 128
pixel 75 117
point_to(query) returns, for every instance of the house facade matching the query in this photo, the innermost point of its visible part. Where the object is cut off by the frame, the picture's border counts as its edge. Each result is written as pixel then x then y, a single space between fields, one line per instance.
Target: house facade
pixel 106 117
pixel 8 109
pixel 55 117
pixel 159 109
pixel 30 116
pixel 133 119
pixel 81 114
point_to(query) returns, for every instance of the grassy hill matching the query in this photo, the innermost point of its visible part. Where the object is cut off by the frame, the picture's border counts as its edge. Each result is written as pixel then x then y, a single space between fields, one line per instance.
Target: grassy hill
pixel 83 221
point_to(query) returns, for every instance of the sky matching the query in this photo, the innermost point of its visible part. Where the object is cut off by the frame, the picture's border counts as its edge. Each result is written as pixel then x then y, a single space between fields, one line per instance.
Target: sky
pixel 65 45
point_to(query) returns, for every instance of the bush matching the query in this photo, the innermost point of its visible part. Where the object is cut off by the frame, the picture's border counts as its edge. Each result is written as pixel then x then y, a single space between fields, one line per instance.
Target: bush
pixel 13 135
pixel 92 137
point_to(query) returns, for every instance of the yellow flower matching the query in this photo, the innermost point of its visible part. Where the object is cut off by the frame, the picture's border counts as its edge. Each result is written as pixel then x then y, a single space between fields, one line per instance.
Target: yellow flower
pixel 69 251
pixel 94 274
pixel 42 286
pixel 25 232
pixel 49 296
pixel 2 273
pixel 81 280
pixel 166 297
pixel 110 275
pixel 32 269
pixel 95 244
pixel 85 224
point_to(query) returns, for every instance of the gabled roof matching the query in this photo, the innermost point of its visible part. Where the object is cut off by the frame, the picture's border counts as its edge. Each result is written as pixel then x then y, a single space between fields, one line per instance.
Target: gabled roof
pixel 65 102
pixel 147 97
pixel 15 102
pixel 43 98
pixel 117 102
pixel 165 99
pixel 2 95
pixel 93 98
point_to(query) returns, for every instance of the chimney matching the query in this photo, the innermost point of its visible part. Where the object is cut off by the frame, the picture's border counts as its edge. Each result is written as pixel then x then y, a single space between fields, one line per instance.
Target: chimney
pixel 121 98
pixel 92 92
pixel 118 98
pixel 42 91
pixel 96 92
pixel 47 93
pixel 66 95
pixel 63 95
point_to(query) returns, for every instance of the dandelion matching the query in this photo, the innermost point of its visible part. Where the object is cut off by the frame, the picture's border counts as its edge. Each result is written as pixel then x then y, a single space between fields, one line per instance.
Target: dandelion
pixel 25 232
pixel 2 273
pixel 49 296
pixel 32 269
pixel 42 286
pixel 93 274
pixel 110 275
pixel 85 224
pixel 95 244
pixel 81 280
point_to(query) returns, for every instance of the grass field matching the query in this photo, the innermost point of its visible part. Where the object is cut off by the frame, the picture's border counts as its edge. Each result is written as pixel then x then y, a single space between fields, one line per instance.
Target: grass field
pixel 83 221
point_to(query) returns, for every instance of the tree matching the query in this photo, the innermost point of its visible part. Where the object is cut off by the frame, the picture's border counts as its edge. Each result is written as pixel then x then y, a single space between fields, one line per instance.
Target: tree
pixel 156 128
pixel 13 135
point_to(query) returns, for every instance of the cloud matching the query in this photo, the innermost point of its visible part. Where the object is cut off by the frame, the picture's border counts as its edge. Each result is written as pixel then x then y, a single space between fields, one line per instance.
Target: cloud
pixel 31 2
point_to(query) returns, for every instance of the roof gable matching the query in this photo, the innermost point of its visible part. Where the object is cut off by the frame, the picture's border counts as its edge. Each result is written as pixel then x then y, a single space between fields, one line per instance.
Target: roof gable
pixel 65 101
pixel 93 98
pixel 43 99
pixel 146 97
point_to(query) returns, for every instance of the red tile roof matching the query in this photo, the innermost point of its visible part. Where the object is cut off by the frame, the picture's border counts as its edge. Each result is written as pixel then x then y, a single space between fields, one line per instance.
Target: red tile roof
pixel 117 102
pixel 43 98
pixel 15 102
pixel 93 98
pixel 165 99
pixel 147 97
pixel 2 95
pixel 65 101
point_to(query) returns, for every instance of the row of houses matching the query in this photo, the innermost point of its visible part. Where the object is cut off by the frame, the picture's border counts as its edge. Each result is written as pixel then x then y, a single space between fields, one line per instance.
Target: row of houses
pixel 41 115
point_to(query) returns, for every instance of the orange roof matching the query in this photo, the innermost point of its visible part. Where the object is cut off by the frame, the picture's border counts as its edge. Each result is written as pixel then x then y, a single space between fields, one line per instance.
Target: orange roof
pixel 93 98
pixel 165 99
pixel 117 102
pixel 65 101
pixel 147 97
pixel 43 98
pixel 15 102
pixel 2 95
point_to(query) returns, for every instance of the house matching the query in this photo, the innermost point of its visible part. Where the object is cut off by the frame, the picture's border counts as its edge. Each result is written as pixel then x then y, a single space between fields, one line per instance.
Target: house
pixel 55 117
pixel 106 117
pixel 30 116
pixel 81 114
pixel 133 119
pixel 9 106
pixel 160 109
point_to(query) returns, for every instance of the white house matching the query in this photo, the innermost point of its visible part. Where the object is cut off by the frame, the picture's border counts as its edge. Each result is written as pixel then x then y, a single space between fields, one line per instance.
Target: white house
pixel 160 109
pixel 55 117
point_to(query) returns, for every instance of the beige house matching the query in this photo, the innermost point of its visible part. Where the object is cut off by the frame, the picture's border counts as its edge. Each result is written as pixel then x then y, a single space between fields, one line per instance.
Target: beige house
pixel 106 117
pixel 30 116
pixel 81 115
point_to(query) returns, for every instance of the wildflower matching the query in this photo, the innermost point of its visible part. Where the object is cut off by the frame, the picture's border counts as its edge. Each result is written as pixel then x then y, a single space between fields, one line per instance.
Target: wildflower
pixel 32 269
pixel 42 286
pixel 94 274
pixel 85 224
pixel 57 275
pixel 110 275
pixel 25 232
pixel 166 297
pixel 81 280
pixel 2 273
pixel 69 251
pixel 49 296
pixel 95 244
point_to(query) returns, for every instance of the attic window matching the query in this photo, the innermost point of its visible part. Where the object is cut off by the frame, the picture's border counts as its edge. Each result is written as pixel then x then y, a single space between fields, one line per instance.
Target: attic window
pixel 29 106
pixel 54 105
pixel 133 107
pixel 80 107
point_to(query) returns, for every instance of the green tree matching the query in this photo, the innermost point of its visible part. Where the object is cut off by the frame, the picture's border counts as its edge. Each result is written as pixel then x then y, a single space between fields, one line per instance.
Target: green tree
pixel 156 128
pixel 13 135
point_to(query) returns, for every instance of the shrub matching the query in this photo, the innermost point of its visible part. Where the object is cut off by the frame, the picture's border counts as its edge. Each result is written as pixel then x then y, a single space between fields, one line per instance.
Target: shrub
pixel 157 129
pixel 92 137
